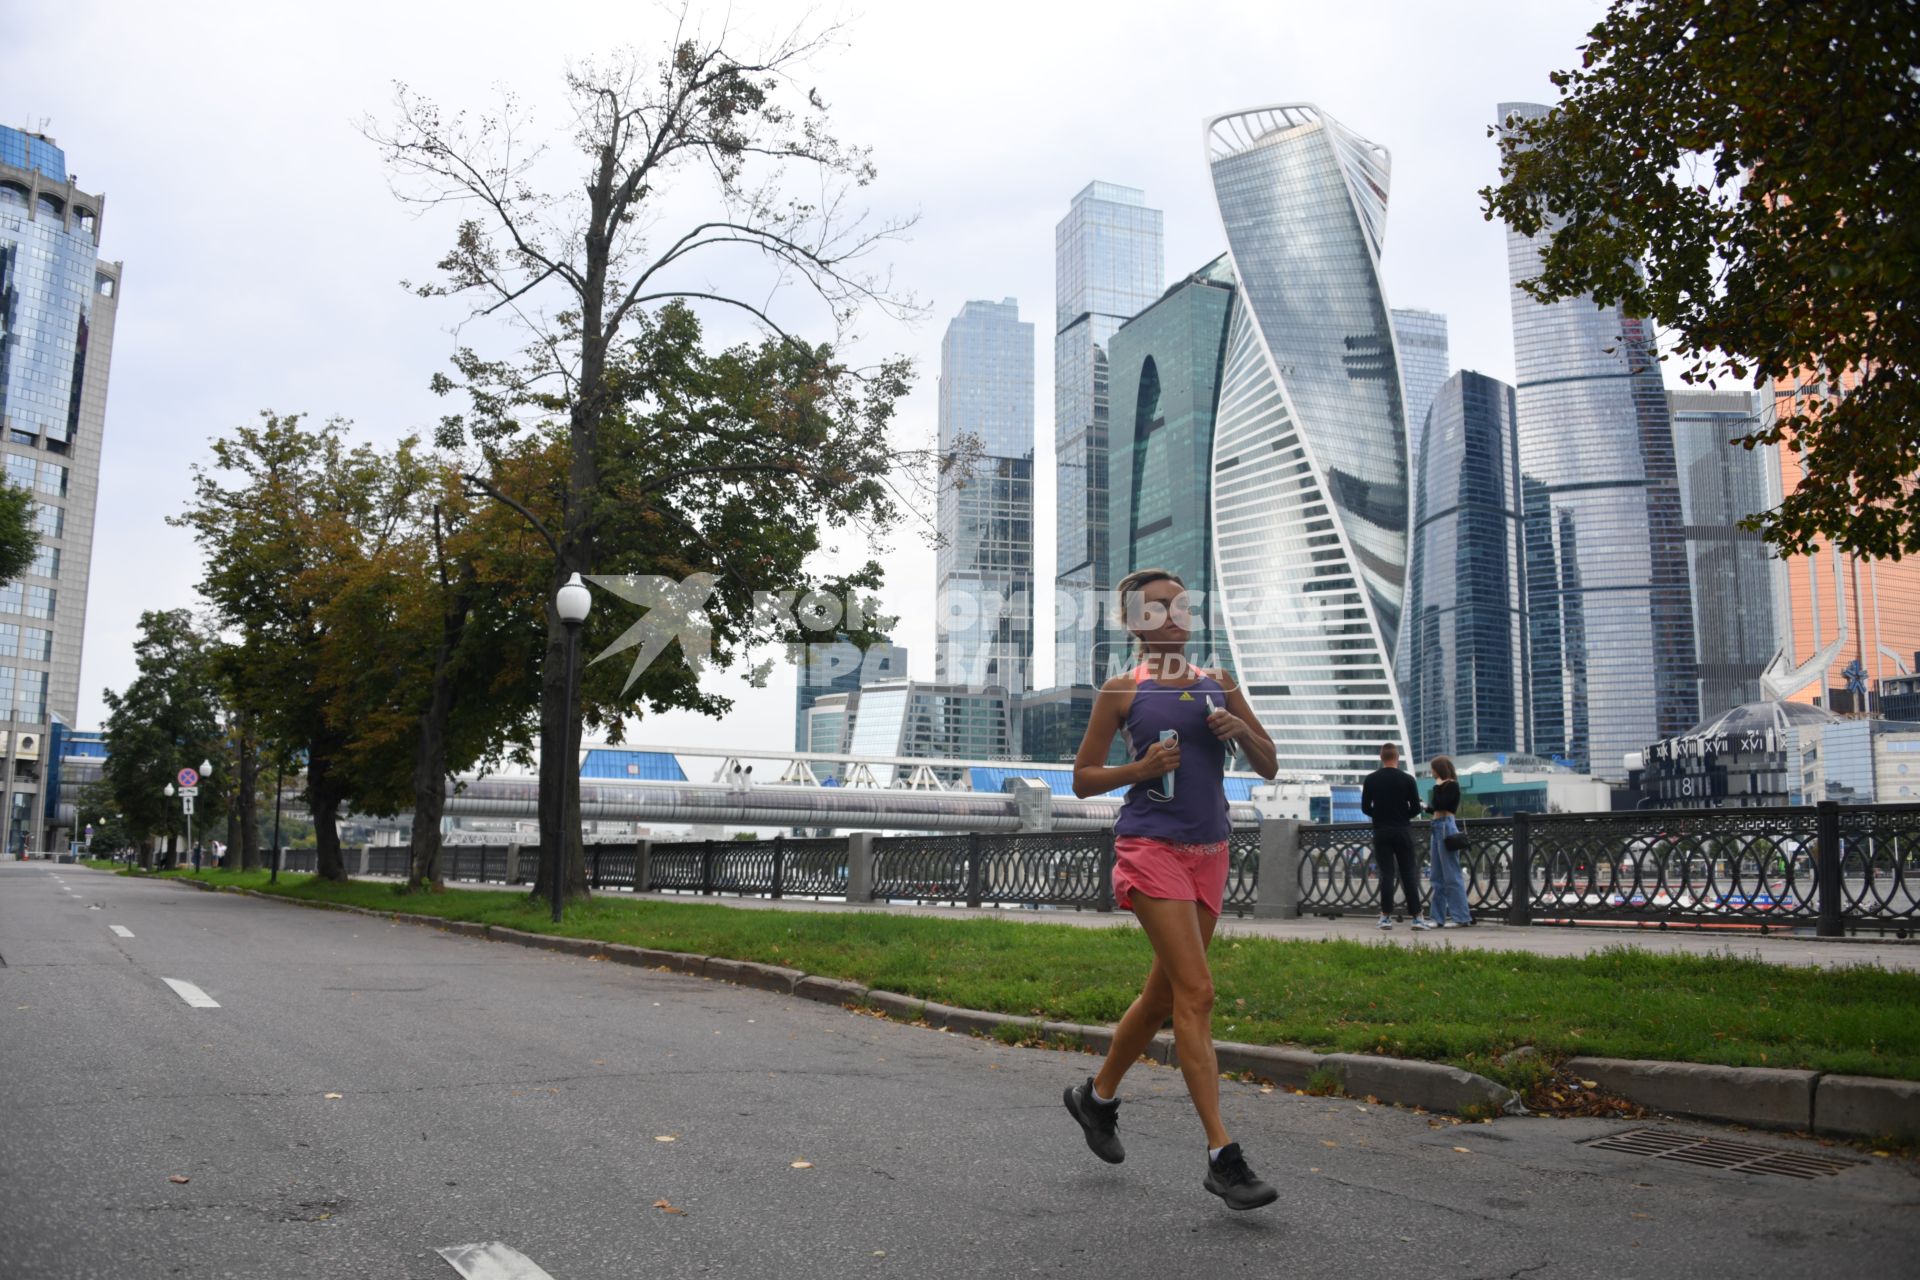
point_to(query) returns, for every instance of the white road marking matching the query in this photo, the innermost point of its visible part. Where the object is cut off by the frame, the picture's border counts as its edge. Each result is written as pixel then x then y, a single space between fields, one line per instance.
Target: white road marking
pixel 491 1261
pixel 121 929
pixel 191 994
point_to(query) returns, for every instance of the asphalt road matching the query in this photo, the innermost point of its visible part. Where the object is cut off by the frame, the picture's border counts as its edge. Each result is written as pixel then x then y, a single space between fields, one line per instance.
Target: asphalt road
pixel 491 1093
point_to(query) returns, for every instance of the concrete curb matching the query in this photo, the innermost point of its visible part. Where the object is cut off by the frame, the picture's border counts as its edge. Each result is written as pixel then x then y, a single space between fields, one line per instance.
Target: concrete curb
pixel 1765 1097
pixel 1399 1081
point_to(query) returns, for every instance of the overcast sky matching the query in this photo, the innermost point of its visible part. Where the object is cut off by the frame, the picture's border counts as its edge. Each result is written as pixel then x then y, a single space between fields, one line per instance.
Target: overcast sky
pixel 263 246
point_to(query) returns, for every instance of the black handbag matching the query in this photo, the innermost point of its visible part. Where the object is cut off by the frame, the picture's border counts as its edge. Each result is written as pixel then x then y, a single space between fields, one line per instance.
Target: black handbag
pixel 1456 840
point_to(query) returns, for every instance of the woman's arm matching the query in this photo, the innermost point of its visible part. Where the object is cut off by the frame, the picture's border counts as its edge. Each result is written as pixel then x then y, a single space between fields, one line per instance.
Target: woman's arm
pixel 1238 724
pixel 1092 775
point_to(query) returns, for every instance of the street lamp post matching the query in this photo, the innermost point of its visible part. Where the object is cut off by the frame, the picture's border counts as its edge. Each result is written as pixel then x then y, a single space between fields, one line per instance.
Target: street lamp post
pixel 571 602
pixel 279 783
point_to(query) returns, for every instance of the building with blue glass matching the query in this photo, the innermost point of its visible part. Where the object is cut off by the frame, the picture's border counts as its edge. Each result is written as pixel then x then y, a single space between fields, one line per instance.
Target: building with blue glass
pixel 1108 266
pixel 837 666
pixel 1737 581
pixel 1309 468
pixel 1421 337
pixel 984 515
pixel 1464 678
pixel 1165 374
pixel 57 308
pixel 1609 603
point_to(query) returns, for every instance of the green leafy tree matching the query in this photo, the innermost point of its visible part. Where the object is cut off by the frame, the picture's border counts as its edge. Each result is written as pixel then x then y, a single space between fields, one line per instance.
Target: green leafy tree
pixel 19 540
pixel 584 268
pixel 1742 172
pixel 167 719
pixel 97 808
pixel 285 515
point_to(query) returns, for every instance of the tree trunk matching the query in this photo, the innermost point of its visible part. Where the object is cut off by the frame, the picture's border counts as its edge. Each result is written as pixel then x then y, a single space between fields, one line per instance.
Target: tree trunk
pixel 249 848
pixel 324 797
pixel 430 751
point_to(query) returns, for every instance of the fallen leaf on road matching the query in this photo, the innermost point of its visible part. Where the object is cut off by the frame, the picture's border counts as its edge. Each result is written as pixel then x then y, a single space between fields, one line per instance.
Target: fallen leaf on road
pixel 1328 1142
pixel 331 1095
pixel 1643 1215
pixel 665 1137
pixel 879 1253
pixel 1314 1169
pixel 801 1164
pixel 1589 1084
pixel 664 1207
pixel 1463 1151
pixel 179 1177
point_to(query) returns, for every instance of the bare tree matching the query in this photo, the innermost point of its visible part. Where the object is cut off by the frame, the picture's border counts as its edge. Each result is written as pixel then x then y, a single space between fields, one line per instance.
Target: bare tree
pixel 573 268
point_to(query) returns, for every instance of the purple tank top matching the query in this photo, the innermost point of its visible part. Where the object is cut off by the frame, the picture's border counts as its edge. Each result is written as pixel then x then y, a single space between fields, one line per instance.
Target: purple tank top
pixel 1197 813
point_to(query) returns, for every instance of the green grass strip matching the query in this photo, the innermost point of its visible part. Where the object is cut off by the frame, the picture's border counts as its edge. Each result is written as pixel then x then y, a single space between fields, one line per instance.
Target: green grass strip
pixel 1441 1003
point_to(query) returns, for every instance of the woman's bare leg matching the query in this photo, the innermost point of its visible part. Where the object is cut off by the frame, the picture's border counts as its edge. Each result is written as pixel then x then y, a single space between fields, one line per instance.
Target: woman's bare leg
pixel 1179 983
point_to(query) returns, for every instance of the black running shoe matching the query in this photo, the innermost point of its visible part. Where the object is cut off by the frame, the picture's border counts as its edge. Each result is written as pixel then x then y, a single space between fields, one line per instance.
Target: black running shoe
pixel 1229 1178
pixel 1099 1119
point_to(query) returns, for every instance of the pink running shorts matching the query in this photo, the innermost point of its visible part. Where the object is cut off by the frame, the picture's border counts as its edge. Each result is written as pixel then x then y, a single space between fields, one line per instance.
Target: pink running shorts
pixel 1169 869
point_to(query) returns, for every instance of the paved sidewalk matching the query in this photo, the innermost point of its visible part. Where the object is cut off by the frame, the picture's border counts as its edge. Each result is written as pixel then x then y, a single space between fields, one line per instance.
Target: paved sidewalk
pixel 1547 940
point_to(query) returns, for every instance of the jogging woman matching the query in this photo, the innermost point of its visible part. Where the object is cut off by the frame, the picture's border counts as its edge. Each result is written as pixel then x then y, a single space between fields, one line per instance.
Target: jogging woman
pixel 1170 859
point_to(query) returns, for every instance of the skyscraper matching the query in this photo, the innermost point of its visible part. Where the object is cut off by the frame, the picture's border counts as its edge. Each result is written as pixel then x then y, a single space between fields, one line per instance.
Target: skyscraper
pixel 1310 443
pixel 1735 578
pixel 1422 339
pixel 1846 623
pixel 1609 608
pixel 837 666
pixel 1166 366
pixel 984 565
pixel 1464 630
pixel 1107 267
pixel 57 306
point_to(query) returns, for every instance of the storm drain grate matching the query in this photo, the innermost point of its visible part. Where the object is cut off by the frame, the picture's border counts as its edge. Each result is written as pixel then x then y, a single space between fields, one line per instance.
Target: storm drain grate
pixel 1719 1153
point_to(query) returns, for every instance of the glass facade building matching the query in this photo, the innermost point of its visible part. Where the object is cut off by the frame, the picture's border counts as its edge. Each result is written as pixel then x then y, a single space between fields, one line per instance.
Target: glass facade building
pixel 984 566
pixel 837 666
pixel 57 308
pixel 938 721
pixel 1165 373
pixel 1609 605
pixel 1736 579
pixel 1847 624
pixel 1464 679
pixel 1310 472
pixel 1424 366
pixel 1108 265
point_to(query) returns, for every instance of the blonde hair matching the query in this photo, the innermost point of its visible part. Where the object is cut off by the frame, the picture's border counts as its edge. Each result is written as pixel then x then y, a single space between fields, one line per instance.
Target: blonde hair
pixel 1135 581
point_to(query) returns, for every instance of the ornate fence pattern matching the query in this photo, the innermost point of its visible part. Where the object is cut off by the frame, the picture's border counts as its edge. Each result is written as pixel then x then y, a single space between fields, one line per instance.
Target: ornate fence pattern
pixel 1823 867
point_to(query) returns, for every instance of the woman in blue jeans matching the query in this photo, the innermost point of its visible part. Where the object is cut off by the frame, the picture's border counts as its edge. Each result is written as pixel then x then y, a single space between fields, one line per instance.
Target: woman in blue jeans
pixel 1448 901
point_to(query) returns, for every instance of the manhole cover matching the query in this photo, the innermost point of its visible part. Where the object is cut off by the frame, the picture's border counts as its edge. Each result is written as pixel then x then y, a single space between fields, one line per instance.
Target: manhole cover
pixel 1719 1153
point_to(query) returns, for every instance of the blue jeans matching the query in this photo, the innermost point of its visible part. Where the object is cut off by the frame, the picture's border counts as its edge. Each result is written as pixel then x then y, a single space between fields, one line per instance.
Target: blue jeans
pixel 1448 901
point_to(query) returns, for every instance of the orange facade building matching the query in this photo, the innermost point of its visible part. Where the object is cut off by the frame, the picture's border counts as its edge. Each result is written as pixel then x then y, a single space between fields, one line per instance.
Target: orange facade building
pixel 1840 610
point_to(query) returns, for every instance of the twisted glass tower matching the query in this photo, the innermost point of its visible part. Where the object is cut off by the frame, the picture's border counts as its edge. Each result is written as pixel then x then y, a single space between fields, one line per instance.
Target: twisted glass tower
pixel 1310 441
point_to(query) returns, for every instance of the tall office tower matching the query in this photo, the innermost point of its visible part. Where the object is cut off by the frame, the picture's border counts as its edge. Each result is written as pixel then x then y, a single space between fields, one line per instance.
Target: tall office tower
pixel 1735 578
pixel 985 562
pixel 1464 631
pixel 1166 365
pixel 57 304
pixel 837 666
pixel 1609 607
pixel 1846 623
pixel 913 718
pixel 1310 442
pixel 1107 266
pixel 1422 340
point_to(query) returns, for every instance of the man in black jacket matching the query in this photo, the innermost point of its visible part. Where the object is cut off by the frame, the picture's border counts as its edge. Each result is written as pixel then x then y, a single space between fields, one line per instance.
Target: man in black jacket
pixel 1390 798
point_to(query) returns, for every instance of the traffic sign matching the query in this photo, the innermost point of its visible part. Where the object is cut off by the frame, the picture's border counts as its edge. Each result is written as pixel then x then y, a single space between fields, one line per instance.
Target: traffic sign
pixel 189 792
pixel 188 777
pixel 186 805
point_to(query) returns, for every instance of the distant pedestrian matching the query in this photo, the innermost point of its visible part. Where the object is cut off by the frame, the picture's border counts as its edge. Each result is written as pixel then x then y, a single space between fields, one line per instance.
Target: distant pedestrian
pixel 196 859
pixel 1390 798
pixel 1448 901
pixel 1170 861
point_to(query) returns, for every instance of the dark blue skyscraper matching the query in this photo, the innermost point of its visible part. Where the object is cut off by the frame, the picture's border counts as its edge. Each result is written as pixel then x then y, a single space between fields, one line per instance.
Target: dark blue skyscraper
pixel 1463 629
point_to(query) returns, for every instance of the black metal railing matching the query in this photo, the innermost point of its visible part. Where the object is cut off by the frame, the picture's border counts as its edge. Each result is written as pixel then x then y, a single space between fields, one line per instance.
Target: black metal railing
pixel 1755 867
pixel 1053 869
